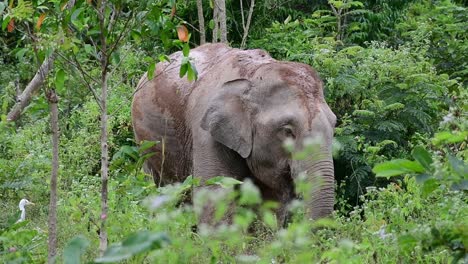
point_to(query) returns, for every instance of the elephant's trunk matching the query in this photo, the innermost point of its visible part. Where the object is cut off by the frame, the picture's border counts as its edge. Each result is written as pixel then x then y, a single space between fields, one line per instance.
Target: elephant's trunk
pixel 320 174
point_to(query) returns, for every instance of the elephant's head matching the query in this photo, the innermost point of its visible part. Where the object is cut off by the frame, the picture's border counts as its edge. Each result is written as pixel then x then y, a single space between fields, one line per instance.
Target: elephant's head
pixel 255 115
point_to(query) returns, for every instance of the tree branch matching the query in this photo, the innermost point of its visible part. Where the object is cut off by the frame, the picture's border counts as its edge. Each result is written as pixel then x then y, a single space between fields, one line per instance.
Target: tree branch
pixel 31 88
pixel 247 26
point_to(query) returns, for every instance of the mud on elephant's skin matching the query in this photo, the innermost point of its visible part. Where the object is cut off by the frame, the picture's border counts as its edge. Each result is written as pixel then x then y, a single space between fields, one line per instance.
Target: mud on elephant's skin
pixel 233 120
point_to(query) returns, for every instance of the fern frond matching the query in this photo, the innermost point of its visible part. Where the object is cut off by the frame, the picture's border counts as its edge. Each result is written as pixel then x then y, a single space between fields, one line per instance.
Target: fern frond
pixel 390 126
pixel 363 113
pixel 394 107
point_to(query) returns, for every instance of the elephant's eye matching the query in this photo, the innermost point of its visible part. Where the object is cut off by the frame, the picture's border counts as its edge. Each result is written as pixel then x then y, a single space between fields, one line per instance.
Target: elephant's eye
pixel 288 131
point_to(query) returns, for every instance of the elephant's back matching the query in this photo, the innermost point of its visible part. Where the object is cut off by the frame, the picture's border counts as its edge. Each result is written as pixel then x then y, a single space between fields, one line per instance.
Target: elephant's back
pixel 162 107
pixel 215 64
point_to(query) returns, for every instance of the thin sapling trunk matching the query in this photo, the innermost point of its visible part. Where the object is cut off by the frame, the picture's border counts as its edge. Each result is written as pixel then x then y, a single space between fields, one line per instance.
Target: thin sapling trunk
pixel 52 244
pixel 201 22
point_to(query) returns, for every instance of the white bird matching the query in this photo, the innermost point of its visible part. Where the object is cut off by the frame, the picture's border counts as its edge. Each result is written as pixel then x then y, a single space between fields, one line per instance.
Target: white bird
pixel 21 206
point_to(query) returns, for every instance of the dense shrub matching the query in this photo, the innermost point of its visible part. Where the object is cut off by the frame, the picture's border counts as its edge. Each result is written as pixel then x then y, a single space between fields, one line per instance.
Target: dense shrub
pixel 442 26
pixel 401 104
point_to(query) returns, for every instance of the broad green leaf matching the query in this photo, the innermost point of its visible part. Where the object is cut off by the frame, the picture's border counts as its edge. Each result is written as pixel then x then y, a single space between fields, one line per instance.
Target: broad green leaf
pixel 74 250
pixel 225 182
pixel 137 243
pixel 150 72
pixel 144 145
pixel 60 79
pixel 6 20
pixel 423 157
pixel 397 167
pixel 183 70
pixel 147 156
pixel 192 73
pixel 164 58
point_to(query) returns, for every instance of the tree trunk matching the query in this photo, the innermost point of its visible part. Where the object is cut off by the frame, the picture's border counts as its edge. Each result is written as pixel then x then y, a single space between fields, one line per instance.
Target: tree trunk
pixel 216 23
pixel 104 136
pixel 247 25
pixel 219 18
pixel 31 88
pixel 53 102
pixel 201 22
pixel 222 20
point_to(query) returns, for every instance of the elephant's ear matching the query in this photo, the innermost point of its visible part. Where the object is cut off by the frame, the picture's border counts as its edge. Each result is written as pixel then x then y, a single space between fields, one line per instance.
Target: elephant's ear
pixel 227 118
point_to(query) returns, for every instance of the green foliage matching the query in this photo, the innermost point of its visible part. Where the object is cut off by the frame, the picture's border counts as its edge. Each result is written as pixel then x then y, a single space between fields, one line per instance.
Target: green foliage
pixel 432 168
pixel 442 26
pixel 439 174
pixel 389 97
pixel 17 243
pixel 379 21
pixel 74 249
pixel 135 244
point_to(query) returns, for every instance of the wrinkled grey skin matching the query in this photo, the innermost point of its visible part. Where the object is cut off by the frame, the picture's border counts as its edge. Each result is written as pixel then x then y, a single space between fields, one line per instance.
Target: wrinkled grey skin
pixel 232 122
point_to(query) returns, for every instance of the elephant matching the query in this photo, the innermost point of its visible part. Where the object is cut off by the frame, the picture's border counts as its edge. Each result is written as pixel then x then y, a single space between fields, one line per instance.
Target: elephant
pixel 232 121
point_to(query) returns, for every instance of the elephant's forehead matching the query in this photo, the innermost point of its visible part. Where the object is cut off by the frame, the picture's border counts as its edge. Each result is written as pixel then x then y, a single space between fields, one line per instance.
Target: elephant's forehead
pixel 279 112
pixel 272 93
pixel 293 76
pixel 277 97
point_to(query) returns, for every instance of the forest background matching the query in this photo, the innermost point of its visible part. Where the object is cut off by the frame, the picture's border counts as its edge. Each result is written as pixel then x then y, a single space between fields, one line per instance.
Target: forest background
pixel 395 74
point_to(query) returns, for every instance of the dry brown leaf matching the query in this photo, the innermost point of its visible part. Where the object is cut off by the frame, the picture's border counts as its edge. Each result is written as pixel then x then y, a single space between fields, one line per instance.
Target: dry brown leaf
pixel 182 33
pixel 40 20
pixel 11 25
